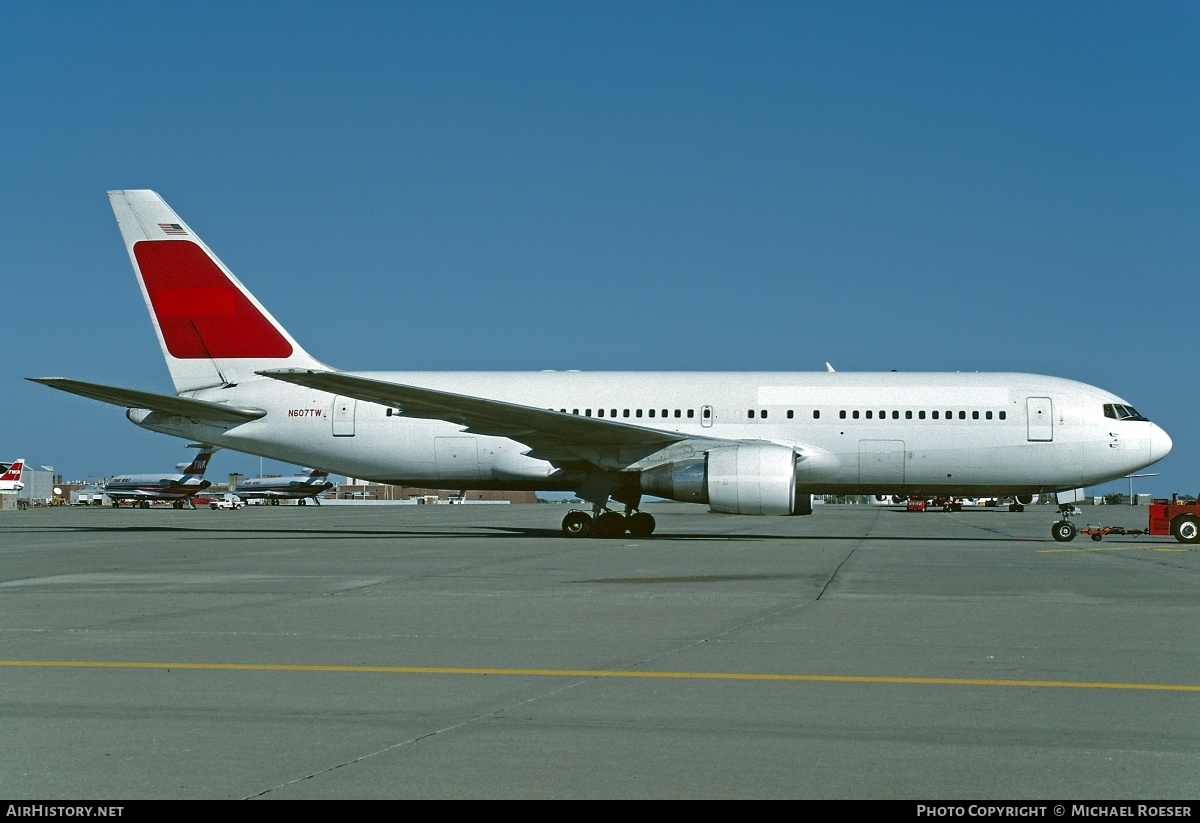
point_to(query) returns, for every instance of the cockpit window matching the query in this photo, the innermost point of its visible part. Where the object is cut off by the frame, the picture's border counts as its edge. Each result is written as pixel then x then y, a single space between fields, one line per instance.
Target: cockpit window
pixel 1117 411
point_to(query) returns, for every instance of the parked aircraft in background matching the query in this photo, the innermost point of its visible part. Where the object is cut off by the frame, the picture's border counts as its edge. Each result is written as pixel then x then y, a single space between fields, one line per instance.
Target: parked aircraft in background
pixel 10 480
pixel 178 489
pixel 744 443
pixel 954 502
pixel 299 487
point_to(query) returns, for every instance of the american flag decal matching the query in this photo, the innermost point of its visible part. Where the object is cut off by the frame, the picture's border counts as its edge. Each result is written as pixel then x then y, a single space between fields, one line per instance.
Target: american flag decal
pixel 172 228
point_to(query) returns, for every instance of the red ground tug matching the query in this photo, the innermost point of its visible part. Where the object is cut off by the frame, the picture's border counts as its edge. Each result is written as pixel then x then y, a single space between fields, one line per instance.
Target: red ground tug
pixel 1180 520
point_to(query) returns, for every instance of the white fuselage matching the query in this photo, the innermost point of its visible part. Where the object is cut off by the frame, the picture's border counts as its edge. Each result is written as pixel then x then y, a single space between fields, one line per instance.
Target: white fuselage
pixel 282 488
pixel 154 486
pixel 962 433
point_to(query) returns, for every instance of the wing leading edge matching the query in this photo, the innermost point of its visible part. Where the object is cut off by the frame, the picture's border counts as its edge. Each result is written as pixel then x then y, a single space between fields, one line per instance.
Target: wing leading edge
pixel 551 434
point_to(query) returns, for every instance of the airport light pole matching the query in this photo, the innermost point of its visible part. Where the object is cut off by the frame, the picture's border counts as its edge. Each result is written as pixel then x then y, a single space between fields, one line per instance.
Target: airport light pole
pixel 1130 477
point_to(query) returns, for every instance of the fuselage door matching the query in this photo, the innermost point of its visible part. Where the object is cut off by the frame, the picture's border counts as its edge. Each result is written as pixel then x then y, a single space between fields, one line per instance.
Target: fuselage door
pixel 343 416
pixel 1040 412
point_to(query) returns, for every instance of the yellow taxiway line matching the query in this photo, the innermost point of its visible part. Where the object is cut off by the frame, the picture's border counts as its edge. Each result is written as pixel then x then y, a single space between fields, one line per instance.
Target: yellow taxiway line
pixel 597 673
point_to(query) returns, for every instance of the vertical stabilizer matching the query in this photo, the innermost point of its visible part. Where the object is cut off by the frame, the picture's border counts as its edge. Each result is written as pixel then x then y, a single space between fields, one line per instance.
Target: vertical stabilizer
pixel 13 472
pixel 200 464
pixel 211 329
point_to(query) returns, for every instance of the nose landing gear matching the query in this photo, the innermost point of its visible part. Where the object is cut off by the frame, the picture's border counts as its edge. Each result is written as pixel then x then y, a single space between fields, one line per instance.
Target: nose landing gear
pixel 1064 530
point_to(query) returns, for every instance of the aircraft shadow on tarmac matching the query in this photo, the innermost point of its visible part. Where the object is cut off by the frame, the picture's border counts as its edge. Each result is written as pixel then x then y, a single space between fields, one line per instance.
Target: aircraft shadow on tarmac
pixel 503 532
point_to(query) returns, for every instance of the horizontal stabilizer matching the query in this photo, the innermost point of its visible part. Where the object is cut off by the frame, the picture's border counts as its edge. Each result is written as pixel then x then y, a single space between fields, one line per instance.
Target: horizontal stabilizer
pixel 163 403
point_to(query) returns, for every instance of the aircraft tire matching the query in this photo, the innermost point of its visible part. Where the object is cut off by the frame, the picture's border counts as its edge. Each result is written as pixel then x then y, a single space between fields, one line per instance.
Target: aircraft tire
pixel 1064 531
pixel 577 524
pixel 640 524
pixel 1186 529
pixel 609 524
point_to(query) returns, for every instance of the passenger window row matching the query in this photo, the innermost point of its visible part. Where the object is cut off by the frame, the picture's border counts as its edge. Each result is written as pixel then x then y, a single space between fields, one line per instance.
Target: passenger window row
pixel 679 413
pixel 935 414
pixel 763 414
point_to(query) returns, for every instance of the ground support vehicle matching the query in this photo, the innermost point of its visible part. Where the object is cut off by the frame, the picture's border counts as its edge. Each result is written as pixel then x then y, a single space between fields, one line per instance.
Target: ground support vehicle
pixel 226 504
pixel 1180 520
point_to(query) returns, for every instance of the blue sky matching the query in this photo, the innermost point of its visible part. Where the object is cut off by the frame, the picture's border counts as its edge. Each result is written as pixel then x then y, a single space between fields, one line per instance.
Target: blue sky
pixel 922 186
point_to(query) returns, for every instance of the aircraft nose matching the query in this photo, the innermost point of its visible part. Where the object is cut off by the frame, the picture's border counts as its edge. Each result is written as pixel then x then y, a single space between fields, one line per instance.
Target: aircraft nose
pixel 1160 443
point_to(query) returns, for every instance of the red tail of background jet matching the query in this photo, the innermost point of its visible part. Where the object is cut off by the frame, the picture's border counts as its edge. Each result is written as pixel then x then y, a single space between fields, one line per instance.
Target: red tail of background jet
pixel 10 481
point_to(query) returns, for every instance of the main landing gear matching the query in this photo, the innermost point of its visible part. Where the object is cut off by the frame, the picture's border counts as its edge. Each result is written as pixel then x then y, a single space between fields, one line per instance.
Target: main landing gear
pixel 607 523
pixel 598 489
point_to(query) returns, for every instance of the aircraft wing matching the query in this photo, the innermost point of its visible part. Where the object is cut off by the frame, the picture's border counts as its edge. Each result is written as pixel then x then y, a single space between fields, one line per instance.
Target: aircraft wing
pixel 547 432
pixel 164 403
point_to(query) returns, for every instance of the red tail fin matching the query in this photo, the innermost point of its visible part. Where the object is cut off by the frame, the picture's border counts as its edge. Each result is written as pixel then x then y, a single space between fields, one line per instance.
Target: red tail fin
pixel 201 314
pixel 14 471
pixel 211 328
pixel 200 464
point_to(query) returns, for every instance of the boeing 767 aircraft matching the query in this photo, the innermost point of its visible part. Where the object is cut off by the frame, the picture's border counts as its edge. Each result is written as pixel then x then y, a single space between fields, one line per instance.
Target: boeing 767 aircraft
pixel 744 443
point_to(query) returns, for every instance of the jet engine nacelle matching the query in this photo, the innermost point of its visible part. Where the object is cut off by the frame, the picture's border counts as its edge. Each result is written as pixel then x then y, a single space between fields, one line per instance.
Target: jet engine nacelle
pixel 754 478
pixel 747 478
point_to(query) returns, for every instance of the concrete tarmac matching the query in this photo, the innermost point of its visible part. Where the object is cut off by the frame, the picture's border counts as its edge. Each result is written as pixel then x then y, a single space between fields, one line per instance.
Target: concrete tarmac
pixel 473 652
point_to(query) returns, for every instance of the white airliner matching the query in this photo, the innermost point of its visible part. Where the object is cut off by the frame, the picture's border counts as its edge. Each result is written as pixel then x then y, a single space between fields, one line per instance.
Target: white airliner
pixel 299 487
pixel 744 443
pixel 10 480
pixel 177 489
pixel 955 502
